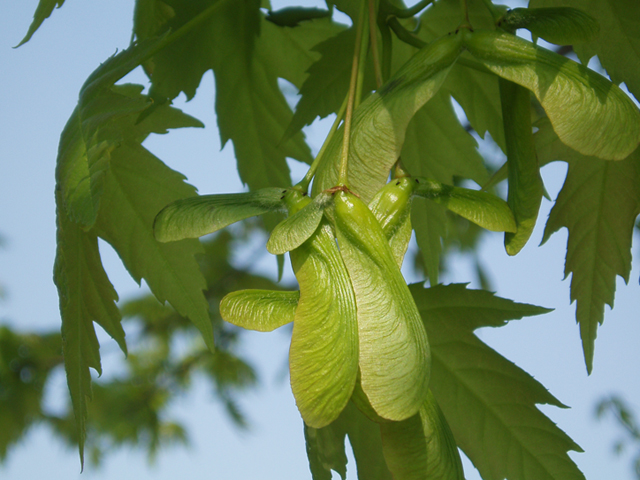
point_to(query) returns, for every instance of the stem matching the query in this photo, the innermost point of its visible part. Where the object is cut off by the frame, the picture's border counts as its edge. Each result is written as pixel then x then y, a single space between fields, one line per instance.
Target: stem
pixel 405 35
pixel 373 40
pixel 410 12
pixel 466 23
pixel 304 183
pixel 342 177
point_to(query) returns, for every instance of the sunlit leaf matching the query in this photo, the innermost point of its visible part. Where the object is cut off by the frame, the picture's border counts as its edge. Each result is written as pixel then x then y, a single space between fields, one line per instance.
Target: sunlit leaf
pixel 260 310
pixel 194 217
pixel 598 204
pixel 585 109
pixel 488 401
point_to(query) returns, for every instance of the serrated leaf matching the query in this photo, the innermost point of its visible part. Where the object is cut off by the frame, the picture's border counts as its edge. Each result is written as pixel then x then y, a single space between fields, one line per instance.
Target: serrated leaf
pixel 289 52
pixel 436 146
pixel 380 122
pixel 488 401
pixel 92 133
pixel 327 82
pixel 297 228
pixel 394 350
pixel 251 109
pixel 559 25
pixel 618 45
pixel 86 295
pixel 598 204
pixel 422 447
pixel 585 109
pixel 326 447
pixel 194 217
pixel 43 11
pixel 260 310
pixel 481 208
pixel 138 185
pixel 475 91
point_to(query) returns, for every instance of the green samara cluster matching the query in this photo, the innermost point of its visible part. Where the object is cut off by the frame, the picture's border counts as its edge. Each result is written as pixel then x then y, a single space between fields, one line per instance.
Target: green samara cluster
pixel 357 333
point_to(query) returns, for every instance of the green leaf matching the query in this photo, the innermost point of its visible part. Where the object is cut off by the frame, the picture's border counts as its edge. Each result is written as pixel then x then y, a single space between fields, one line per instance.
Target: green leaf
pixel 394 351
pixel 598 204
pixel 618 45
pixel 422 447
pixel 559 25
pixel 138 185
pixel 475 91
pixel 194 217
pixel 293 16
pixel 86 296
pixel 525 182
pixel 326 447
pixel 297 228
pixel 436 146
pixel 380 122
pixel 92 132
pixel 481 208
pixel 43 11
pixel 327 83
pixel 289 52
pixel 251 109
pixel 585 109
pixel 260 310
pixel 323 358
pixel 488 401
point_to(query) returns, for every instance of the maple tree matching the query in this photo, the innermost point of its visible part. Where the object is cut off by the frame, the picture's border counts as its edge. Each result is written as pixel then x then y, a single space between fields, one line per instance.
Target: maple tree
pixel 397 369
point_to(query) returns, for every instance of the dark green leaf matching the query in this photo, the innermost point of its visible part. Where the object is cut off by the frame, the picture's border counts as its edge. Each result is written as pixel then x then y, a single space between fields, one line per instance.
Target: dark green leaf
pixel 559 25
pixel 488 401
pixel 43 11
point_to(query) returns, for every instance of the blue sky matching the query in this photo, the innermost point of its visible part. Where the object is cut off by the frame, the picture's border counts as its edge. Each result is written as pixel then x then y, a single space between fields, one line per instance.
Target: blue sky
pixel 39 85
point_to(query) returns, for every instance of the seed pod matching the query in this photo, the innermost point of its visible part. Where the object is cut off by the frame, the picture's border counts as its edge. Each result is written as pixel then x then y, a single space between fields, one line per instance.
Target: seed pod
pixel 525 183
pixel 197 216
pixel 585 109
pixel 391 207
pixel 323 358
pixel 481 208
pixel 422 446
pixel 395 359
pixel 260 310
